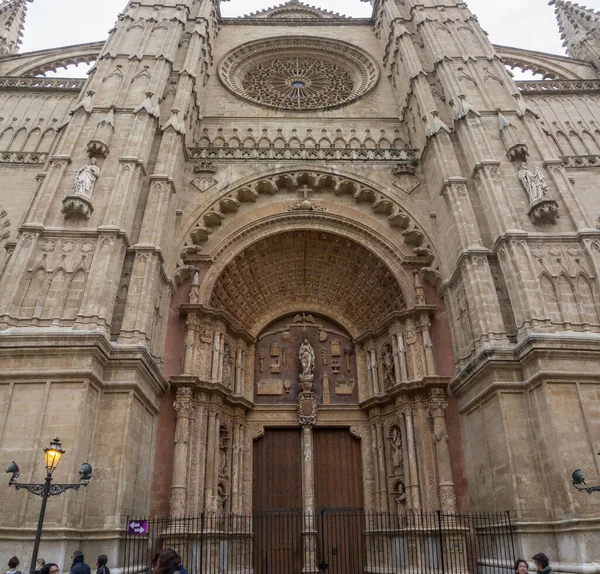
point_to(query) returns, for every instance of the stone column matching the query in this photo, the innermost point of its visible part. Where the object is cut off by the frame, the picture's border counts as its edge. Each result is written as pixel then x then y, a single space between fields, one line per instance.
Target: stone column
pixel 401 356
pixel 370 373
pixel 183 409
pixel 239 362
pixel 189 358
pixel 397 376
pixel 412 458
pixel 437 408
pixel 221 357
pixel 374 372
pixel 376 475
pixel 209 483
pixel 382 468
pixel 217 463
pixel 214 368
pixel 309 531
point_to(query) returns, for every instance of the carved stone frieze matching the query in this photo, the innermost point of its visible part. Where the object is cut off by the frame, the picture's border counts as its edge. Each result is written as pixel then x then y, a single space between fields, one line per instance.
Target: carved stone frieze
pixel 266 154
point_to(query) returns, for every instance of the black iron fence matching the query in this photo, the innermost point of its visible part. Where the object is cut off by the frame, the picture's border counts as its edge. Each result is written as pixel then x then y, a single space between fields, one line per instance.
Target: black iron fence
pixel 330 541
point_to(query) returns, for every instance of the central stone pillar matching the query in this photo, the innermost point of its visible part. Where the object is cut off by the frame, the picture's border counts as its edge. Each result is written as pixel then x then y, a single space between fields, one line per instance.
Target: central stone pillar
pixel 309 530
pixel 307 416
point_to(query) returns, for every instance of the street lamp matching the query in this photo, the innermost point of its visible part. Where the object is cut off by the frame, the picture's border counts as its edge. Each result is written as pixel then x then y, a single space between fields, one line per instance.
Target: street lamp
pixel 578 480
pixel 52 456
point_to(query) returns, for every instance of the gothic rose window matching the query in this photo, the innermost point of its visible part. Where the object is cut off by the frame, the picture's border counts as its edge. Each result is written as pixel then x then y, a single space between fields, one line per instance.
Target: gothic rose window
pixel 299 73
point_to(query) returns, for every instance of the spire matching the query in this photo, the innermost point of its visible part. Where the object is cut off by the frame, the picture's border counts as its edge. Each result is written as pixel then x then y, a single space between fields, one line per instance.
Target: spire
pixel 579 28
pixel 12 22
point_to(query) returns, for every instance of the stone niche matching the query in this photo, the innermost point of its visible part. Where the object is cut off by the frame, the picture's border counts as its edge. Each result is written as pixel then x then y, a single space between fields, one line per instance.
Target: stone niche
pixel 277 366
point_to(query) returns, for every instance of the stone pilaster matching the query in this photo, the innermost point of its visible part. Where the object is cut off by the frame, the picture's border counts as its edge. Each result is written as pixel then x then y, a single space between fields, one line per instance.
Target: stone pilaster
pixel 412 485
pixel 183 410
pixel 437 408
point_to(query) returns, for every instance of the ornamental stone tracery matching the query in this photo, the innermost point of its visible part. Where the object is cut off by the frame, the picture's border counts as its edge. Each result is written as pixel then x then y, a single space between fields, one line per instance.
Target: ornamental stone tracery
pixel 299 73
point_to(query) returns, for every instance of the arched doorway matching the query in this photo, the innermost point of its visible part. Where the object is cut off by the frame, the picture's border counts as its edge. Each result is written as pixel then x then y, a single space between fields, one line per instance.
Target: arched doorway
pixel 262 429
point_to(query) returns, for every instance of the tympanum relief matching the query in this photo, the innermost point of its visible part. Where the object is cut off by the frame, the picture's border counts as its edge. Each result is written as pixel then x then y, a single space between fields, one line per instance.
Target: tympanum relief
pixel 301 348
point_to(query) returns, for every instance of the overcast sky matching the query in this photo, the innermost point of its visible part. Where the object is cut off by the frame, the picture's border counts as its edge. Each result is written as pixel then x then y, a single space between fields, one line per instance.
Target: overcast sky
pixel 522 23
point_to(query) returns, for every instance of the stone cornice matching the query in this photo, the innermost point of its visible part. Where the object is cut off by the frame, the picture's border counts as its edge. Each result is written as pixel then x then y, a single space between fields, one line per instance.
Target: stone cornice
pixel 405 390
pixel 295 22
pixel 213 389
pixel 396 316
pixel 510 360
pixel 96 359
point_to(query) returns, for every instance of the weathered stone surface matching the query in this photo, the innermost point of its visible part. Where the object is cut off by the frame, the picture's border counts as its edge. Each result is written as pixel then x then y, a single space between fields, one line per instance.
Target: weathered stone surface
pixel 387 221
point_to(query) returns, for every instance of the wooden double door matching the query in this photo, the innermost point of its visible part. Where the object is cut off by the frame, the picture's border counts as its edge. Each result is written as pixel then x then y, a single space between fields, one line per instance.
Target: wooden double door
pixel 279 523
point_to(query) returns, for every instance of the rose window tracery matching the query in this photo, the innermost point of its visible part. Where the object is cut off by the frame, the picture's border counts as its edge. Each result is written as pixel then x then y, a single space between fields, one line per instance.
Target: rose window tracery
pixel 299 83
pixel 299 73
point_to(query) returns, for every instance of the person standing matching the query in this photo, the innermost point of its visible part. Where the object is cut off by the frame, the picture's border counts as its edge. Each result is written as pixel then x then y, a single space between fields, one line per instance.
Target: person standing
pixel 13 564
pixel 521 566
pixel 79 566
pixel 50 568
pixel 102 568
pixel 39 564
pixel 542 563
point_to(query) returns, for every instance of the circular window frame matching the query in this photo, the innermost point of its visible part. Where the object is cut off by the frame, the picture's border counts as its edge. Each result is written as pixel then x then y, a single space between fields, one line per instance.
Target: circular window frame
pixel 363 67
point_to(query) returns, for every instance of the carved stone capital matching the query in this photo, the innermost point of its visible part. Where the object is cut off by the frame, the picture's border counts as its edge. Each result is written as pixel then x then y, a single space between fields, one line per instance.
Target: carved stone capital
pixel 183 401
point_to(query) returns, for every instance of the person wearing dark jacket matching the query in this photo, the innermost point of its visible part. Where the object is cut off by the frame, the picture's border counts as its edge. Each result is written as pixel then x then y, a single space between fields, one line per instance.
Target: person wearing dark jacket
pixel 79 566
pixel 102 568
pixel 542 563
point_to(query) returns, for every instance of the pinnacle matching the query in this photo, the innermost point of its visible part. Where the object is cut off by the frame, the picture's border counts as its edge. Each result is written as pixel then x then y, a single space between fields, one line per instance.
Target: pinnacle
pixel 12 23
pixel 575 22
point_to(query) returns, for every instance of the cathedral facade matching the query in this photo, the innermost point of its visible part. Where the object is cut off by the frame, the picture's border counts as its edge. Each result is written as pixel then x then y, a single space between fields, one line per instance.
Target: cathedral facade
pixel 297 260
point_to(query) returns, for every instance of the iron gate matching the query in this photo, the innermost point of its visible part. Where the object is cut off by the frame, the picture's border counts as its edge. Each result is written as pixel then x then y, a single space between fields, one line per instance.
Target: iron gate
pixel 330 541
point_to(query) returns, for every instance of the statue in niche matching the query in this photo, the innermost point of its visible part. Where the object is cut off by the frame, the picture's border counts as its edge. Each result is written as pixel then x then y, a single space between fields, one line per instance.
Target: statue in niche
pixel 86 179
pixel 399 494
pixel 396 447
pixel 533 181
pixel 227 366
pixel 306 355
pixel 389 371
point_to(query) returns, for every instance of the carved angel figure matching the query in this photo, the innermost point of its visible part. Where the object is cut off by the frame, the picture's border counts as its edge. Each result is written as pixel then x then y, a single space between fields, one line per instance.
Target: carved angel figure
pixel 533 181
pixel 306 355
pixel 86 179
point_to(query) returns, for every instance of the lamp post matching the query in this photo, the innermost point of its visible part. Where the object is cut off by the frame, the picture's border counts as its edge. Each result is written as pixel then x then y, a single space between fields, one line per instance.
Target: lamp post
pixel 578 480
pixel 52 456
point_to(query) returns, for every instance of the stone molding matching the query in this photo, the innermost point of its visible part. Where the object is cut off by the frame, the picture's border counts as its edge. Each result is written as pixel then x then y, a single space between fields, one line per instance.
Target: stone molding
pixel 558 86
pixel 27 157
pixel 269 154
pixel 61 84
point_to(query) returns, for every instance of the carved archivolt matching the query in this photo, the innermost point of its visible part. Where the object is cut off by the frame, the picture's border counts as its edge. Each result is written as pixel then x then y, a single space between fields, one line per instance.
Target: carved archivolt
pixel 299 73
pixel 324 182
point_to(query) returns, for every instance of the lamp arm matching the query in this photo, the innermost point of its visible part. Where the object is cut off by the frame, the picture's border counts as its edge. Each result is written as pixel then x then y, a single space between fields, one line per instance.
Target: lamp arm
pixel 588 489
pixel 54 490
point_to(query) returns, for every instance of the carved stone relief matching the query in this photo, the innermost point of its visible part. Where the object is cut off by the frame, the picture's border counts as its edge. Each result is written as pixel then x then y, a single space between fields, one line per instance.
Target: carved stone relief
pixel 331 380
